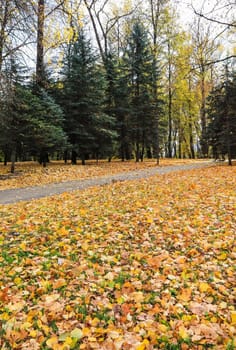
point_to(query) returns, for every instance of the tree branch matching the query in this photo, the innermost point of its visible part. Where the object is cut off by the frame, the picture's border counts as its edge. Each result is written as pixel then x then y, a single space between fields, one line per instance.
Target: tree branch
pixel 233 25
pixel 220 60
pixel 55 8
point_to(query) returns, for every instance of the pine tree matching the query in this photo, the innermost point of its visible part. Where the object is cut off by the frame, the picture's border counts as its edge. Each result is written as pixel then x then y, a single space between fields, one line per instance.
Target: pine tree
pixel 32 124
pixel 90 130
pixel 222 118
pixel 143 106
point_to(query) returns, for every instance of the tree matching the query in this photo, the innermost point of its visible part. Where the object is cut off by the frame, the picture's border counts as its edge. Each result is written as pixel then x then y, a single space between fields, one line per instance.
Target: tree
pixel 29 123
pixel 40 69
pixel 205 48
pixel 221 13
pixel 105 16
pixel 156 8
pixel 90 130
pixel 32 125
pixel 139 60
pixel 52 24
pixel 47 122
pixel 14 33
pixel 121 109
pixel 184 99
pixel 222 118
pixel 173 44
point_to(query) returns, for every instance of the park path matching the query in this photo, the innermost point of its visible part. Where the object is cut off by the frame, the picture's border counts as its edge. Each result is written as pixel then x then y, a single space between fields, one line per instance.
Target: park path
pixel 29 193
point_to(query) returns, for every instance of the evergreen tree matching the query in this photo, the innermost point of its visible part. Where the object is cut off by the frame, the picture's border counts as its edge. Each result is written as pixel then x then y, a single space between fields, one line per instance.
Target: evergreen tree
pixel 222 119
pixel 122 113
pixel 30 124
pixel 89 128
pixel 117 104
pixel 143 106
pixel 47 119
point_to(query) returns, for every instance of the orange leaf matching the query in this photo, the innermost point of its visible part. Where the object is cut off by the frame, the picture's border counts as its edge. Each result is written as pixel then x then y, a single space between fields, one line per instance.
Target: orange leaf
pixel 185 295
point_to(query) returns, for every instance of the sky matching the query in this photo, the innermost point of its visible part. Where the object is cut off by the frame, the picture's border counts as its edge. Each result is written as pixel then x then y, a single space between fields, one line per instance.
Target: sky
pixel 186 8
pixel 211 8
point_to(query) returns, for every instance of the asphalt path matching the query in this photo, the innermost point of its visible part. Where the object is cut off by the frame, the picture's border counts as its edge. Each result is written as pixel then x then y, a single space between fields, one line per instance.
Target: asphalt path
pixel 30 193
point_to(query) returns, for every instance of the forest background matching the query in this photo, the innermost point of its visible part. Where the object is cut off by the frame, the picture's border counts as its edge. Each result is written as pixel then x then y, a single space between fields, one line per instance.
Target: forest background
pixel 96 79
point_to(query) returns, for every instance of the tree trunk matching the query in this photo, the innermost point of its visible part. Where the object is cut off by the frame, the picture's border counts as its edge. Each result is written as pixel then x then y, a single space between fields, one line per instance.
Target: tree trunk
pixel 149 152
pixel 203 114
pixel 155 96
pixel 13 160
pixel 190 124
pixel 180 150
pixel 228 135
pixel 74 157
pixel 83 159
pixel 4 12
pixel 40 76
pixel 101 50
pixel 137 152
pixel 43 158
pixel 123 140
pixel 65 156
pixel 143 146
pixel 155 14
pixel 169 105
pixel 191 143
pixel 6 155
pixel 128 154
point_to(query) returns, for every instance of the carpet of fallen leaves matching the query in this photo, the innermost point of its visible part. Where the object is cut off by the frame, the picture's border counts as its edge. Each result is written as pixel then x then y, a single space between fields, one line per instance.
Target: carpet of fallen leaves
pixel 148 264
pixel 33 174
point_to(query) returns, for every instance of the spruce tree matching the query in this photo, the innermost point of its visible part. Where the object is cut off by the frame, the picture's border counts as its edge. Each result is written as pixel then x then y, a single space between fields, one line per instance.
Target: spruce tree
pixel 89 128
pixel 143 106
pixel 222 119
pixel 31 123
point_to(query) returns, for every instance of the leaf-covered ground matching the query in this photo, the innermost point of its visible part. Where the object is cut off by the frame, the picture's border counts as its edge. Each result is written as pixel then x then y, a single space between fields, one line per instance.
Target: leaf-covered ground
pixel 137 265
pixel 33 174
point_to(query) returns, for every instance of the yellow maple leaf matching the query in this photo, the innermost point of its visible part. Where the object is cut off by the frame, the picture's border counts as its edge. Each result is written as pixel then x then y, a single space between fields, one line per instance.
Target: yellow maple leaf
pixel 22 246
pixel 63 231
pixel 204 287
pixel 222 256
pixel 183 332
pixel 33 333
pixel 17 281
pixel 233 317
pixel 143 345
pixel 162 328
pixel 68 341
pixel 185 294
pixel 52 342
pixel 26 325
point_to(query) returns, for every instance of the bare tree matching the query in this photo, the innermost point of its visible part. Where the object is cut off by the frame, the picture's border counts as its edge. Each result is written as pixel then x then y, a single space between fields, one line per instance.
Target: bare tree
pixel 222 15
pixel 43 11
pixel 103 23
pixel 205 51
pixel 14 34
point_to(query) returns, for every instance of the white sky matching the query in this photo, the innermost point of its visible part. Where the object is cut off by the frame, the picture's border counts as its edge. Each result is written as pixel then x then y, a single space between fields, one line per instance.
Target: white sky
pixel 212 8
